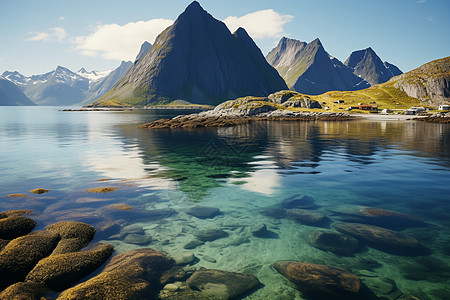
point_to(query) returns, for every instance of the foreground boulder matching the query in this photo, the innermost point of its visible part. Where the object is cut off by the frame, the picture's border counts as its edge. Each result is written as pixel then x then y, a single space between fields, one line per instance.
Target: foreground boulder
pixel 130 275
pixel 70 229
pixel 60 271
pixel 320 279
pixel 216 284
pixel 380 238
pixel 15 226
pixel 24 291
pixel 20 255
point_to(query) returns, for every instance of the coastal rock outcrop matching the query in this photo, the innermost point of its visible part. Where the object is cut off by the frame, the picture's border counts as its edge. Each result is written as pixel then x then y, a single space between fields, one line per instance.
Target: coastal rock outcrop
pixel 15 226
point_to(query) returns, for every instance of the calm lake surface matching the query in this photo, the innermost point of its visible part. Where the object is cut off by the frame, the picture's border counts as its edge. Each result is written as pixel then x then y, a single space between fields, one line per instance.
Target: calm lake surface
pixel 246 171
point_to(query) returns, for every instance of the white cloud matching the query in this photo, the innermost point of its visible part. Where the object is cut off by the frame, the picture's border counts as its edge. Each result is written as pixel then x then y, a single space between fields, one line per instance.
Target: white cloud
pixel 260 24
pixel 120 42
pixel 53 34
pixel 61 18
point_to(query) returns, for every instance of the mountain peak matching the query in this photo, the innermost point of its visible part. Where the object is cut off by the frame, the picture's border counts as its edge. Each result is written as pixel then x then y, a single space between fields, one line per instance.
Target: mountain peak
pixel 82 70
pixel 194 7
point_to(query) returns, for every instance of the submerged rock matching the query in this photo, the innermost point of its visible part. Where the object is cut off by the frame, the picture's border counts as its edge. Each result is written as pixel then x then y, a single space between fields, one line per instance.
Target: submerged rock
pixel 203 212
pixel 337 243
pixel 320 279
pixel 39 191
pixel 210 234
pixel 380 238
pixel 193 244
pixel 217 284
pixel 129 275
pixel 60 271
pixel 137 239
pixel 15 226
pixel 103 190
pixel 298 201
pixel 261 231
pixel 21 255
pixel 70 229
pixel 184 258
pixel 24 291
pixel 306 217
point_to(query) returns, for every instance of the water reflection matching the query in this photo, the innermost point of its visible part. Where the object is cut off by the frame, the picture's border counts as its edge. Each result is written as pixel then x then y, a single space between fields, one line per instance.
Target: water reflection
pixel 203 158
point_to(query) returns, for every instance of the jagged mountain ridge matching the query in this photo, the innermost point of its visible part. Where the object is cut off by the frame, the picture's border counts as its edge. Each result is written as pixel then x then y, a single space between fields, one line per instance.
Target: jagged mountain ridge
pixel 11 95
pixel 307 68
pixel 199 60
pixel 145 47
pixel 368 65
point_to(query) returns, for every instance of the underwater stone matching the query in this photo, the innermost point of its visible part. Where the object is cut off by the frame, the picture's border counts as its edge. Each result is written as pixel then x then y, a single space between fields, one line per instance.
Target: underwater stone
pixel 137 239
pixel 60 271
pixel 380 286
pixel 298 201
pixel 378 237
pixel 209 258
pixel 337 243
pixel 218 284
pixel 193 244
pixel 239 240
pixel 15 226
pixel 203 212
pixel 210 234
pixel 130 275
pixel 312 278
pixel 184 258
pixel 306 217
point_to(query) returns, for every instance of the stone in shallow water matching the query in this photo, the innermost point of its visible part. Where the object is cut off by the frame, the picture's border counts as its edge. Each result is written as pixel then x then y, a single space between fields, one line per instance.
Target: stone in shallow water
pixel 60 271
pixel 184 258
pixel 21 254
pixel 39 191
pixel 380 238
pixel 193 244
pixel 337 243
pixel 261 231
pixel 319 279
pixel 306 217
pixel 15 226
pixel 380 286
pixel 218 284
pixel 210 234
pixel 137 239
pixel 203 212
pixel 298 201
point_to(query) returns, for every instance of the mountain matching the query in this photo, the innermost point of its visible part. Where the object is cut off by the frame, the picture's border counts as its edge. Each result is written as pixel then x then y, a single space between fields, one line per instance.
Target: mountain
pixel 144 49
pixel 11 95
pixel 429 82
pixel 307 68
pixel 197 59
pixel 368 65
pixel 101 87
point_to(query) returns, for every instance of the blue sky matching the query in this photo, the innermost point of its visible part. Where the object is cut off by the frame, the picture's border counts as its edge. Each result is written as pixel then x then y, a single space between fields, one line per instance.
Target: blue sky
pixel 38 35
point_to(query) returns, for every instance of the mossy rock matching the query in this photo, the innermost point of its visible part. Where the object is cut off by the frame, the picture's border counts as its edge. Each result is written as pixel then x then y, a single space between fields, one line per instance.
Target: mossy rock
pixel 69 245
pixel 59 271
pixel 3 243
pixel 70 229
pixel 39 191
pixel 102 190
pixel 130 275
pixel 21 255
pixel 3 215
pixel 17 195
pixel 13 227
pixel 16 212
pixel 24 291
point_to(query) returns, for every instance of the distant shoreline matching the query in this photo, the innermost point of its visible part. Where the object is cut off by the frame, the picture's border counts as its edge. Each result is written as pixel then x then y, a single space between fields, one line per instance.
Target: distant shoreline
pixel 200 107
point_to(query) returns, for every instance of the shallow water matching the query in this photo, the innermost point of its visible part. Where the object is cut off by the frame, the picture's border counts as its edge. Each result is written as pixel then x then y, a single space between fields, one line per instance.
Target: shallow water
pixel 245 171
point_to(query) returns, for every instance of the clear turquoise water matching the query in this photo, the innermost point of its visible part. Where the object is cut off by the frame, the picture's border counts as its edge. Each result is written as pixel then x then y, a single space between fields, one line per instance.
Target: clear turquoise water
pixel 400 166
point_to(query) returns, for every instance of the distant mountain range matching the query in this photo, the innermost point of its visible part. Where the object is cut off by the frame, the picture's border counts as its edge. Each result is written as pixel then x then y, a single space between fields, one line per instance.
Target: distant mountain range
pixel 199 60
pixel 11 95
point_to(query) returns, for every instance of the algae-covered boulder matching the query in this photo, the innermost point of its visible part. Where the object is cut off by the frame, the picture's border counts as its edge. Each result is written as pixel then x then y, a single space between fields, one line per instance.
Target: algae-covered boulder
pixel 69 229
pixel 15 226
pixel 69 245
pixel 3 215
pixel 320 279
pixel 130 275
pixel 219 284
pixel 306 217
pixel 16 212
pixel 59 271
pixel 338 243
pixel 21 254
pixel 39 191
pixel 3 243
pixel 24 291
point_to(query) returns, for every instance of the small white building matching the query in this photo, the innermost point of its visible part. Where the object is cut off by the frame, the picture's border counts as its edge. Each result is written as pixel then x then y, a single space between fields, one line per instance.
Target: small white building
pixel 415 110
pixel 444 107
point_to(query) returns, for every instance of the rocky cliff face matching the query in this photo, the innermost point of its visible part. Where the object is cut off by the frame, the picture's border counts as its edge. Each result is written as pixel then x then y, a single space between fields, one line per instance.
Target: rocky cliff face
pixel 309 69
pixel 368 65
pixel 11 95
pixel 144 49
pixel 196 59
pixel 430 82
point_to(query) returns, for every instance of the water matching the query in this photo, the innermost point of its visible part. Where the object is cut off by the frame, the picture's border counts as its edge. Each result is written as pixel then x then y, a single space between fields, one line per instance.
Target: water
pixel 246 171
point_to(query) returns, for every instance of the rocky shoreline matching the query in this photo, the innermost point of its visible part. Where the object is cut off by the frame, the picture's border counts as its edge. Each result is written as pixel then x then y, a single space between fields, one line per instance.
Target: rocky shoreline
pixel 436 118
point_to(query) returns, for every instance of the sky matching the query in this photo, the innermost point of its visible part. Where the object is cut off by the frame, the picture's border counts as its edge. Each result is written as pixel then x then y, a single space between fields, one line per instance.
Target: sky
pixel 38 35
